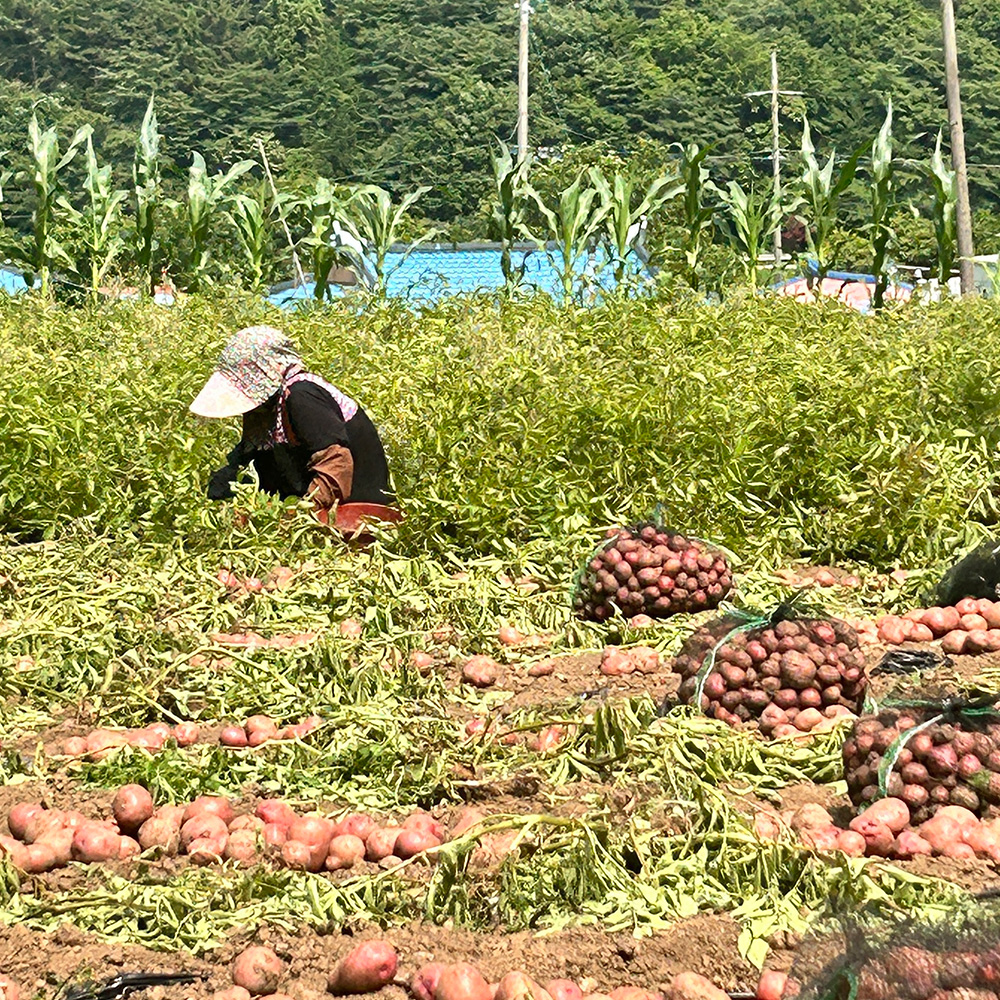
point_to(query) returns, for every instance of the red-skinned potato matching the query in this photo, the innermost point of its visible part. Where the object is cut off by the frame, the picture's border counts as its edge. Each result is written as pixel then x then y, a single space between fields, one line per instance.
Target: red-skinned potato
pixel 634 993
pixel 811 817
pixel 9 989
pixel 423 821
pixel 894 813
pixel 39 858
pixel 208 850
pixel 232 993
pixel 312 830
pixel 356 825
pixel 851 843
pixel 200 826
pixel 131 806
pixel 213 805
pixel 910 845
pixel 274 834
pixel 954 642
pixel 160 832
pixel 380 842
pixel 275 811
pixel 941 831
pixel 425 980
pixel 411 842
pixel 296 855
pixel 461 982
pixel 771 985
pixel 234 736
pixel 519 986
pixel 258 970
pixel 345 852
pixel 242 846
pixel 821 838
pixel 61 842
pixel 984 841
pixel 94 842
pixel 480 671
pixel 74 746
pixel 41 823
pixel 20 815
pixel 186 733
pixel 247 822
pixel 364 969
pixel 691 986
pixel 128 848
pixel 563 989
pixel 421 662
pixel 15 850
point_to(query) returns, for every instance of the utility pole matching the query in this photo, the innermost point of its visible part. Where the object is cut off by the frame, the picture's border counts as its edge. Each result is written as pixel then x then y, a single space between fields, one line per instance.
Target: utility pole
pixel 963 213
pixel 775 150
pixel 522 83
pixel 774 94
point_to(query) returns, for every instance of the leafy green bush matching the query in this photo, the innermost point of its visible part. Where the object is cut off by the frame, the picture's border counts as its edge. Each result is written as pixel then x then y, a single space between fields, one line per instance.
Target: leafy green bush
pixel 805 430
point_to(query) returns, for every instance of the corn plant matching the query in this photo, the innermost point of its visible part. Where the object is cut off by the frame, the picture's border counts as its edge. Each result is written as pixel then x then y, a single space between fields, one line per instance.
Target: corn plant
pixel 206 195
pixel 821 197
pixel 96 230
pixel 882 191
pixel 251 218
pixel 324 208
pixel 146 194
pixel 46 167
pixel 621 219
pixel 748 222
pixel 697 212
pixel 377 221
pixel 572 226
pixel 945 182
pixel 509 210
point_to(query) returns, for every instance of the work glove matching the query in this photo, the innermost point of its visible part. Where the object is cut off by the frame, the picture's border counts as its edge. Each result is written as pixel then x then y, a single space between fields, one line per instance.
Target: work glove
pixel 220 486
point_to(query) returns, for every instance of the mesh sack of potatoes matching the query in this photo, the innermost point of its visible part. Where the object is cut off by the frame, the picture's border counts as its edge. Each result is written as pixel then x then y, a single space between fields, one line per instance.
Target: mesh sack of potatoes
pixel 930 752
pixel 872 955
pixel 787 668
pixel 648 569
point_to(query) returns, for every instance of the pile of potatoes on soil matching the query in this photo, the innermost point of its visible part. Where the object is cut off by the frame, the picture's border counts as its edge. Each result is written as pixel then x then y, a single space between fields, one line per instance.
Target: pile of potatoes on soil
pixel 258 971
pixel 209 830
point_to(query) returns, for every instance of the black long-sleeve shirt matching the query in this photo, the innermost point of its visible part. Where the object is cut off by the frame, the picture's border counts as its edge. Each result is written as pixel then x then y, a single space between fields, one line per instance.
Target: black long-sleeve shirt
pixel 317 423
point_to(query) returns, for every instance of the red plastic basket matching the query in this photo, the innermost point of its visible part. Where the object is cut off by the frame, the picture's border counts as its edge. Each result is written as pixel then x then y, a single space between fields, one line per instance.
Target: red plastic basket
pixel 352 517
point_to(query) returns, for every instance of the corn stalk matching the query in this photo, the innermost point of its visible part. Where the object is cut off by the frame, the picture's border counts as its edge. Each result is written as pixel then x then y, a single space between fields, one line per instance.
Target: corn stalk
pixel 572 226
pixel 697 214
pixel 945 182
pixel 821 198
pixel 146 193
pixel 377 220
pixel 251 218
pixel 324 207
pixel 46 167
pixel 882 198
pixel 617 196
pixel 96 229
pixel 206 194
pixel 509 210
pixel 749 221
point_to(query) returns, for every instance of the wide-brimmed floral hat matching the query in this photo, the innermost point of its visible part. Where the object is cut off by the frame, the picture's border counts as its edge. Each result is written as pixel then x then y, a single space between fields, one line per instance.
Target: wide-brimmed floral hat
pixel 249 372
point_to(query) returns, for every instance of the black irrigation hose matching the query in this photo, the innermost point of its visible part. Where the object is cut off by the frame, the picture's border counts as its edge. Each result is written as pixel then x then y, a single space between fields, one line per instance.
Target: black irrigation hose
pixel 128 982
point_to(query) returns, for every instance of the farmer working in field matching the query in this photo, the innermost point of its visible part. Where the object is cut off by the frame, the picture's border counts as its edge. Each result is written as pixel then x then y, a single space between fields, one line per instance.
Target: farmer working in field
pixel 304 436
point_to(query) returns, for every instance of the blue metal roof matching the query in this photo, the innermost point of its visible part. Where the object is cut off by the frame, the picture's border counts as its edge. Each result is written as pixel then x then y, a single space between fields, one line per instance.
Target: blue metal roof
pixel 12 282
pixel 433 271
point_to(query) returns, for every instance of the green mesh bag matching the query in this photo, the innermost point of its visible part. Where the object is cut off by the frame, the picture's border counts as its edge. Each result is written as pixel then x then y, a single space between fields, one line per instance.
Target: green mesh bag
pixel 872 956
pixel 648 569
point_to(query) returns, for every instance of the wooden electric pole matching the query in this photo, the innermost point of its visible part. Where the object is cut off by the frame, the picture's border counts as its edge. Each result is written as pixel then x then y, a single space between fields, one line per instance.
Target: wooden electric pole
pixel 775 150
pixel 963 213
pixel 522 83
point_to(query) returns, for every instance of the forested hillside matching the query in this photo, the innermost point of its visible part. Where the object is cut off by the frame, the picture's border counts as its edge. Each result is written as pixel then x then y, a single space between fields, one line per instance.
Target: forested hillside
pixel 402 92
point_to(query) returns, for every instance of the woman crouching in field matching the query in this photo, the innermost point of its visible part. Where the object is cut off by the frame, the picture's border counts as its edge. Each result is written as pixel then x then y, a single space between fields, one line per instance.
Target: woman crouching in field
pixel 303 436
